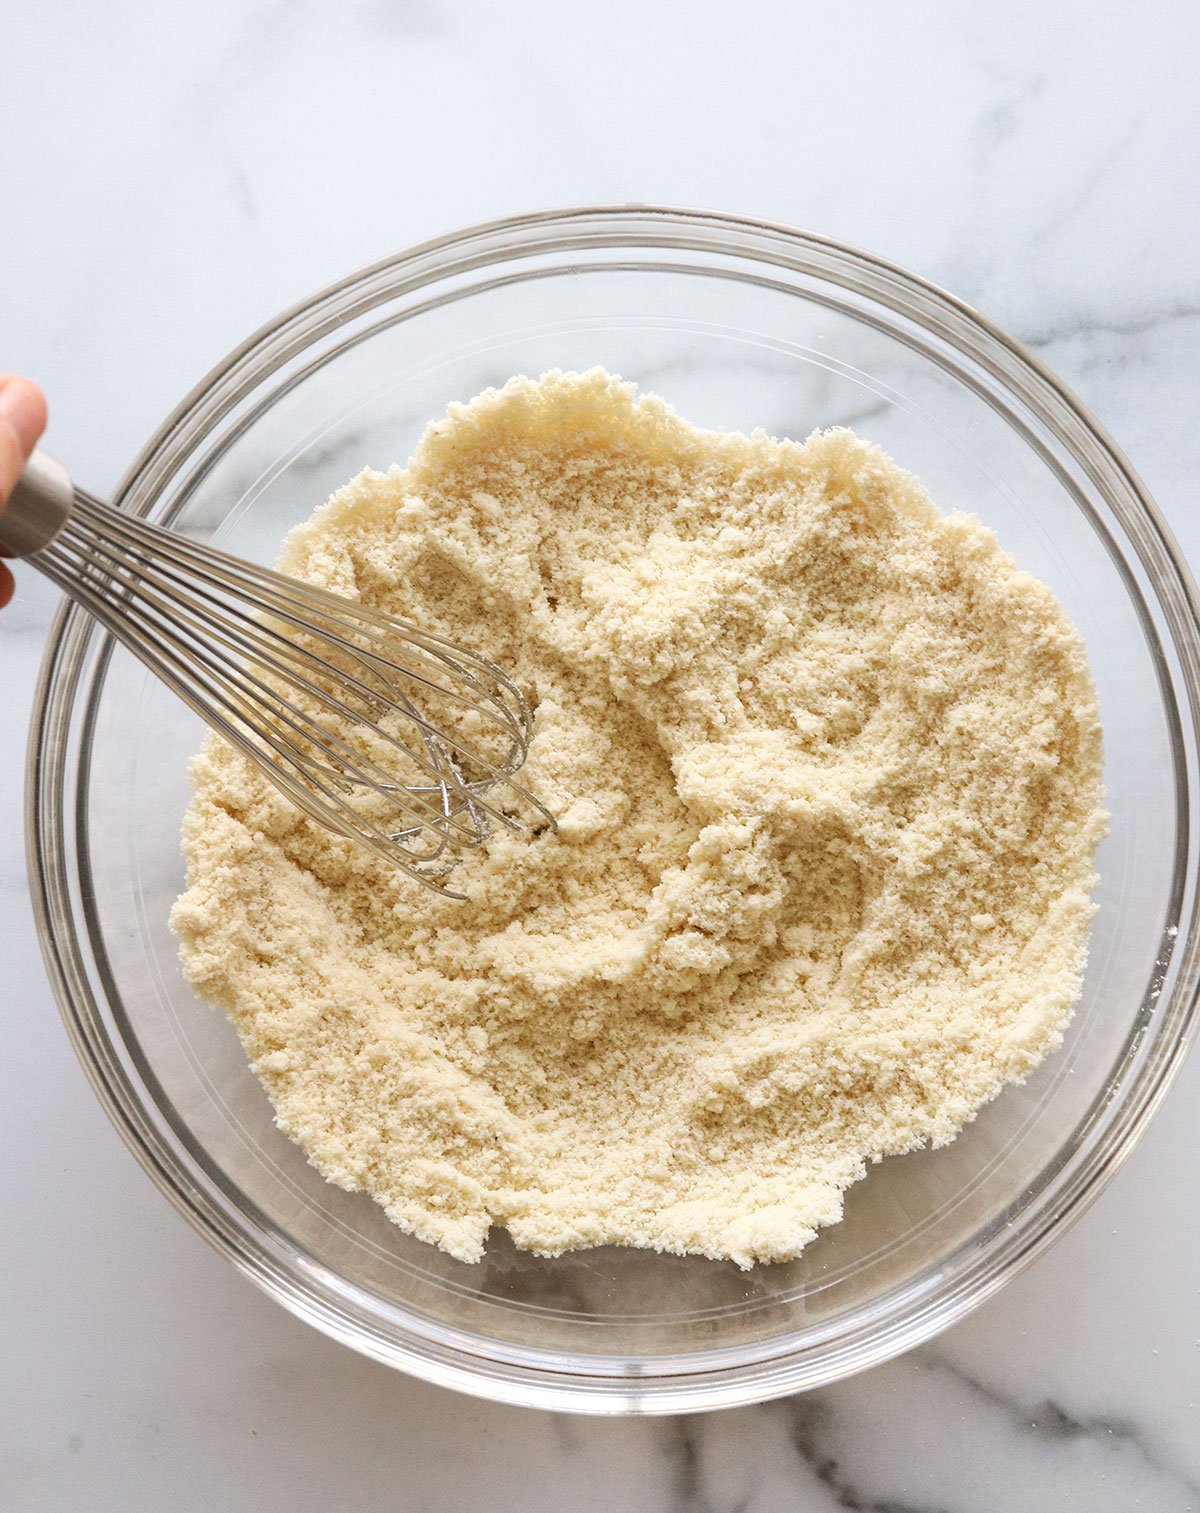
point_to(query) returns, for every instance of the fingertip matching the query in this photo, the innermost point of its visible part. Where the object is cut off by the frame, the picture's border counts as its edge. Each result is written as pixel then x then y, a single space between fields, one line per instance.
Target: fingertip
pixel 23 407
pixel 7 585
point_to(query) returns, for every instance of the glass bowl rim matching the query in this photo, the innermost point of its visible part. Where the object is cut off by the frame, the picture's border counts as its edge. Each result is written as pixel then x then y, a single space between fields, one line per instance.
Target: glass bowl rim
pixel 534 1375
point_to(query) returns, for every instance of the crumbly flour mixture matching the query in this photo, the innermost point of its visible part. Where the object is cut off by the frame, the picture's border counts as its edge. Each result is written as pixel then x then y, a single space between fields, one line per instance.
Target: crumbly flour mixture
pixel 826 766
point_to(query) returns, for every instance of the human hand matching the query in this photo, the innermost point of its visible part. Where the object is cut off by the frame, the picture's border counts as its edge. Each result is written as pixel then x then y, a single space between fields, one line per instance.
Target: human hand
pixel 22 421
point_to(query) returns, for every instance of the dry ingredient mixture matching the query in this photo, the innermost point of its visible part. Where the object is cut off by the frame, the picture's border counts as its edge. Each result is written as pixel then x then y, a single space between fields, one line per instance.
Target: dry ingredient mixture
pixel 826 767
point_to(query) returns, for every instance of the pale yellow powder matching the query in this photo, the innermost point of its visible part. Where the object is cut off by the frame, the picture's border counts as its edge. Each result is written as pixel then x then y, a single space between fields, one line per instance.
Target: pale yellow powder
pixel 826 766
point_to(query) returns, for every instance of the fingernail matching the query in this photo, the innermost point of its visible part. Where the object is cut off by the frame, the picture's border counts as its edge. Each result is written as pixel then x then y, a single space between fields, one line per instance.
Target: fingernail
pixel 22 406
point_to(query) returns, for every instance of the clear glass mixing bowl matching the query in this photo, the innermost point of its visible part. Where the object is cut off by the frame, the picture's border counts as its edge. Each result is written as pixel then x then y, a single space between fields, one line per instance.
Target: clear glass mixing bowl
pixel 737 325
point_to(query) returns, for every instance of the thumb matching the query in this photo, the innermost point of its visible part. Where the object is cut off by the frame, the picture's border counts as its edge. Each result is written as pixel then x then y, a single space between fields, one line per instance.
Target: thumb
pixel 22 421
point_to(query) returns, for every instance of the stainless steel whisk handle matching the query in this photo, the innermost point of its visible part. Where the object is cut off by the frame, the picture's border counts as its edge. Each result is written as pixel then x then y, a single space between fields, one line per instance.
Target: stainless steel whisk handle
pixel 37 508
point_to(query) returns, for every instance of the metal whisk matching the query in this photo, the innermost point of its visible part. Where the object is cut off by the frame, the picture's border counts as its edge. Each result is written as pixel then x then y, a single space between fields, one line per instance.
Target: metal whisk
pixel 380 731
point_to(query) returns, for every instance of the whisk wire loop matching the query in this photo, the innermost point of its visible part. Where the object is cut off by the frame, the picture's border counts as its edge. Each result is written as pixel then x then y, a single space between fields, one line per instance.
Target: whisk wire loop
pixel 387 734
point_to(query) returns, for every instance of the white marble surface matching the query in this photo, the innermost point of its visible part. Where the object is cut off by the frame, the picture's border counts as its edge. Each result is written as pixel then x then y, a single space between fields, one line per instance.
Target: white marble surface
pixel 174 175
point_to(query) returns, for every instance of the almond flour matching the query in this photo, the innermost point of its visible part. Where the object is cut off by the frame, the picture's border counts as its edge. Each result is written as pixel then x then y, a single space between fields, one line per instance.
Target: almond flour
pixel 826 766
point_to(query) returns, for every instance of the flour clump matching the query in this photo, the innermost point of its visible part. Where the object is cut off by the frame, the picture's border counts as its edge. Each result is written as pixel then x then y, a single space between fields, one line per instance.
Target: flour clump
pixel 826 768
